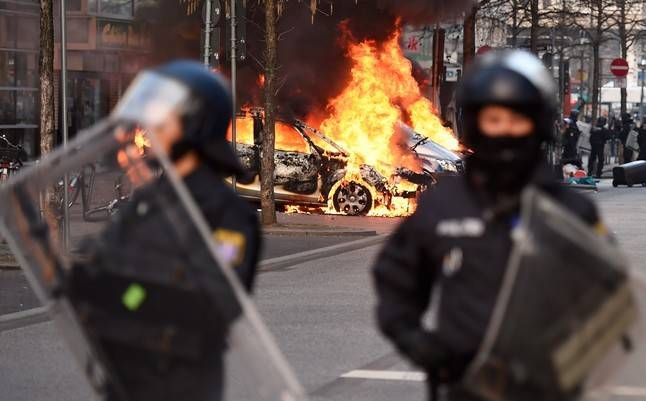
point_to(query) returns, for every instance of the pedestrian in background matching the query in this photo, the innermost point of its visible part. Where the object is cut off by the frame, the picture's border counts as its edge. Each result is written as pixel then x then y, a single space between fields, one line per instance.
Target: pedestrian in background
pixel 570 140
pixel 626 127
pixel 641 140
pixel 598 137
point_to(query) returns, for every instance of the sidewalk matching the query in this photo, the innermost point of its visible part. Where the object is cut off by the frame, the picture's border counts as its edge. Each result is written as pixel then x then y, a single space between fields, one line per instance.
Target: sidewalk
pixel 7 261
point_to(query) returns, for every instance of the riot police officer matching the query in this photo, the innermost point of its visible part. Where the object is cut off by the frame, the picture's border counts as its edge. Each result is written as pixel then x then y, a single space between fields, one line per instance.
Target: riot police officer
pixel 571 139
pixel 170 346
pixel 458 240
pixel 598 137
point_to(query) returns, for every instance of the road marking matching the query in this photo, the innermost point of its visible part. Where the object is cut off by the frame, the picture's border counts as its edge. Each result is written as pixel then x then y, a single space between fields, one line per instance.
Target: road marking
pixel 385 375
pixel 628 391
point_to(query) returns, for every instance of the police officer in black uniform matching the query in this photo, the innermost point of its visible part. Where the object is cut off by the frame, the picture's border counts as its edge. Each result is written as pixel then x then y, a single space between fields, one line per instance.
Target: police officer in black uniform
pixel 641 140
pixel 142 285
pixel 571 140
pixel 458 240
pixel 598 137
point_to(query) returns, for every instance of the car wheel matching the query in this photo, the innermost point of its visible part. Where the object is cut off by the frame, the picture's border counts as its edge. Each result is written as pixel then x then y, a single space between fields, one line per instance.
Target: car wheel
pixel 614 184
pixel 352 199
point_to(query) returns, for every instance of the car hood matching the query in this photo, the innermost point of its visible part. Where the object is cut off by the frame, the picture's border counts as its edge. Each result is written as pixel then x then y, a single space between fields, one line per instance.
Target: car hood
pixel 429 148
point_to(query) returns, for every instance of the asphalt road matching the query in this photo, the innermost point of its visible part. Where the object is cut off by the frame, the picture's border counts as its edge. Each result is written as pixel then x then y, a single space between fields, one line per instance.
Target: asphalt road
pixel 16 295
pixel 321 315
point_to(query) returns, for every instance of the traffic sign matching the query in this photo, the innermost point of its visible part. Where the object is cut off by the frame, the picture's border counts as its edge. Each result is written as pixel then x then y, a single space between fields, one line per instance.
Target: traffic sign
pixel 619 67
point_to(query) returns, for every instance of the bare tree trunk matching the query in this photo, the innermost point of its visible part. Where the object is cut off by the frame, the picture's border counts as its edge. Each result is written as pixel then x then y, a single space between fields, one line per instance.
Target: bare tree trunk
pixel 46 65
pixel 596 78
pixel 267 202
pixel 533 35
pixel 47 115
pixel 469 38
pixel 514 24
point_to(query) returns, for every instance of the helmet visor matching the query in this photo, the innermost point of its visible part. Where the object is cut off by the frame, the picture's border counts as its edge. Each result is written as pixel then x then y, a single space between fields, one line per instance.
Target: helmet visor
pixel 150 99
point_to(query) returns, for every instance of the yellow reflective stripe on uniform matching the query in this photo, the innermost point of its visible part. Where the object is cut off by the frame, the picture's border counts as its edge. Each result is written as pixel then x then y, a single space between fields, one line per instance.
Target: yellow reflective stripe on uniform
pixel 601 229
pixel 231 245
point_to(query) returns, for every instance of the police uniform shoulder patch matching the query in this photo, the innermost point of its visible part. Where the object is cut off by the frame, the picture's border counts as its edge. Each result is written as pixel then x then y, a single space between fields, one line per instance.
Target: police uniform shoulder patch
pixel 231 245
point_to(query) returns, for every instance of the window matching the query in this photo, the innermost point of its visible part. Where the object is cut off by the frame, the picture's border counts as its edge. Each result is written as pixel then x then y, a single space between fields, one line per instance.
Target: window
pixel 290 140
pixel 287 138
pixel 115 8
pixel 18 69
pixel 18 107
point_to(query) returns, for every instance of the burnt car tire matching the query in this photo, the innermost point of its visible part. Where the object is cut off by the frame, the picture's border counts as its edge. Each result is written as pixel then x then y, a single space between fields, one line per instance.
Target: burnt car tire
pixel 352 199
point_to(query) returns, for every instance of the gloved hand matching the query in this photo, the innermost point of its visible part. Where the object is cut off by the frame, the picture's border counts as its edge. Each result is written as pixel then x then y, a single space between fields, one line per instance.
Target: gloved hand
pixel 430 353
pixel 425 350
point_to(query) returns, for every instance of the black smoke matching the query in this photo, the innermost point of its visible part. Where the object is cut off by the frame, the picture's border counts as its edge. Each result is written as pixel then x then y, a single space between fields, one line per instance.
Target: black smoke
pixel 313 63
pixel 314 66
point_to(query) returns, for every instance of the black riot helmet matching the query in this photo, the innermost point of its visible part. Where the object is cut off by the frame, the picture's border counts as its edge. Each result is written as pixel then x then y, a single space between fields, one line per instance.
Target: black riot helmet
pixel 516 80
pixel 601 122
pixel 199 96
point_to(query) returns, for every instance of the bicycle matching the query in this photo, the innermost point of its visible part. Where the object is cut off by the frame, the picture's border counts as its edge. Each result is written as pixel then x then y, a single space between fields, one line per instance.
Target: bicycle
pixel 11 158
pixel 82 184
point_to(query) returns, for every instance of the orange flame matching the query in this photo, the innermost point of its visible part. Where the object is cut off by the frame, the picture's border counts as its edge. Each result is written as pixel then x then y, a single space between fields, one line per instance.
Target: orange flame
pixel 141 141
pixel 287 138
pixel 365 116
pixel 364 119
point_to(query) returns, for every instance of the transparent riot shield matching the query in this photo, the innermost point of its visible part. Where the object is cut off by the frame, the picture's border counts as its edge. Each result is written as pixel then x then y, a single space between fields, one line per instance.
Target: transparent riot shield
pixel 565 316
pixel 147 303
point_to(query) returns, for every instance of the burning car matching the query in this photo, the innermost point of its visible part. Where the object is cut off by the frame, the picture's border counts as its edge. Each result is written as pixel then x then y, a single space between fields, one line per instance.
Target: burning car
pixel 435 158
pixel 312 170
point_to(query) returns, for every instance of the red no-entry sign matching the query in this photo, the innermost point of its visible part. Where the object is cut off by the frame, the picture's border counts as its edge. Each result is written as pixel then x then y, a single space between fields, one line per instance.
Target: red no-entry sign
pixel 619 67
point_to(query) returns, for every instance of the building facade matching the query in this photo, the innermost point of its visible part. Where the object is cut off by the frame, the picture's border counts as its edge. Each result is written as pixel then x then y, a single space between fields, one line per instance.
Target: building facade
pixel 106 47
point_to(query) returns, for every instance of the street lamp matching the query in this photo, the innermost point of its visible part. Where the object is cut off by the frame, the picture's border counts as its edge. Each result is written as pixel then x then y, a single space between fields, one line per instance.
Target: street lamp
pixel 642 67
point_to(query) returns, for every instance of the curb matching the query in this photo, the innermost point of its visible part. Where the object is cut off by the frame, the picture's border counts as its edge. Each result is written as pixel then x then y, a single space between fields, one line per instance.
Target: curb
pixel 9 267
pixel 318 233
pixel 40 314
pixel 24 318
pixel 319 253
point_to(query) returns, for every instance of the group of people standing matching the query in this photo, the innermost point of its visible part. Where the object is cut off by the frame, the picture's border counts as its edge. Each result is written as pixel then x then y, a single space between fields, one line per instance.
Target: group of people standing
pixel 603 131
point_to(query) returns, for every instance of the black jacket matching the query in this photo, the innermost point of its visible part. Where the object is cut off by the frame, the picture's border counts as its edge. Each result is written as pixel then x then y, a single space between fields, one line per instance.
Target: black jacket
pixel 570 140
pixel 641 139
pixel 599 136
pixel 448 244
pixel 153 244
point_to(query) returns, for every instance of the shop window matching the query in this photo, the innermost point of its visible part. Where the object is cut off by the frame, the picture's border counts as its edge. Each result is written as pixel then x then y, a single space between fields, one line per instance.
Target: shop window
pixel 18 69
pixel 7 69
pixel 7 107
pixel 122 8
pixel 112 34
pixel 26 107
pixel 18 107
pixel 113 8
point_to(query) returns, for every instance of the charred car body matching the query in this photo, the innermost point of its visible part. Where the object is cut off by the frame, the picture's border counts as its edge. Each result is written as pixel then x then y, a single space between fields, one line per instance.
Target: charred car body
pixel 311 169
